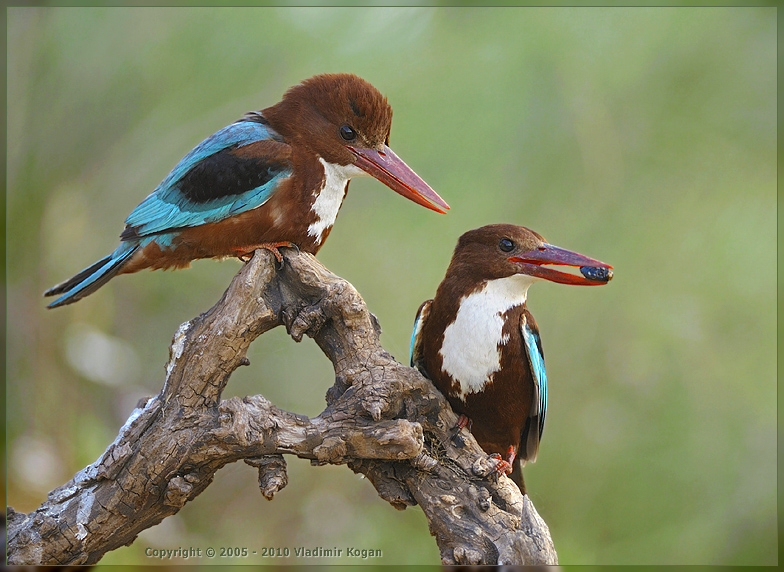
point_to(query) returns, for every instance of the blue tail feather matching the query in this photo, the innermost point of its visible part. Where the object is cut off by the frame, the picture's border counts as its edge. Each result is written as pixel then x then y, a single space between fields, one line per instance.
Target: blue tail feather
pixel 92 277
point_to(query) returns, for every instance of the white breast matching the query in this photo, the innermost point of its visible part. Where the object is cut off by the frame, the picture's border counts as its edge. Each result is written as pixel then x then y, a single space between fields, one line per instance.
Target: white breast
pixel 330 196
pixel 470 351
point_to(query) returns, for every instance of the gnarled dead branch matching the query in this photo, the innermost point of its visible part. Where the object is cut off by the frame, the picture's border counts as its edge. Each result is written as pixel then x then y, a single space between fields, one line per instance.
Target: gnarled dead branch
pixel 383 419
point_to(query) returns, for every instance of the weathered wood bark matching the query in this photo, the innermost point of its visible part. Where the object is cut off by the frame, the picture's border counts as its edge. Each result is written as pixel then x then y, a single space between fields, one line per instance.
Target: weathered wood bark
pixel 383 419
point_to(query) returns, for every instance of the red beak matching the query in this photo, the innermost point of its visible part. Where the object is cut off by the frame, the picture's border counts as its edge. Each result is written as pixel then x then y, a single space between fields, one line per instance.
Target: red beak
pixel 390 169
pixel 593 271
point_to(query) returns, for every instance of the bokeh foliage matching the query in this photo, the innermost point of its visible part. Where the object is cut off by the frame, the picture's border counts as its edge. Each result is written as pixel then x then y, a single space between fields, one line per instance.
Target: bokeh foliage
pixel 642 137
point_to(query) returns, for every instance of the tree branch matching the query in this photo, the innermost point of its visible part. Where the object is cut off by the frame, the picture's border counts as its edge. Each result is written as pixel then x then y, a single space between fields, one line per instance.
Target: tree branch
pixel 383 419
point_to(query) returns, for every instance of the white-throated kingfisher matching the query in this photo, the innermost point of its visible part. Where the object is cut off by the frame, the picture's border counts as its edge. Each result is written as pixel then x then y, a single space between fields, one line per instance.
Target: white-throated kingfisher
pixel 276 177
pixel 479 344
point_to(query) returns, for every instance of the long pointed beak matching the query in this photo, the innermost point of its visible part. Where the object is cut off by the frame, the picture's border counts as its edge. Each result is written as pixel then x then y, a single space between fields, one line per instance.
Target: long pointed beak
pixel 593 271
pixel 390 169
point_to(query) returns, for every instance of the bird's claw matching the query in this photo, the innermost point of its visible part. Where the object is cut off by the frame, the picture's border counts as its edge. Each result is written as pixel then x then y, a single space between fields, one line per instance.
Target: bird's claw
pixel 272 247
pixel 280 260
pixel 462 422
pixel 501 466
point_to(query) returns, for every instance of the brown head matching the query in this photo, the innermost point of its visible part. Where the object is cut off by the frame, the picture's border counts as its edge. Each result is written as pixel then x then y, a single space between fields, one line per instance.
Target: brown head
pixel 316 113
pixel 502 250
pixel 345 120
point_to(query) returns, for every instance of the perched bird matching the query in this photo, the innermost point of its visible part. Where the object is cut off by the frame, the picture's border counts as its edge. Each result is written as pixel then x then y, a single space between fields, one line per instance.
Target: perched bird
pixel 479 344
pixel 277 177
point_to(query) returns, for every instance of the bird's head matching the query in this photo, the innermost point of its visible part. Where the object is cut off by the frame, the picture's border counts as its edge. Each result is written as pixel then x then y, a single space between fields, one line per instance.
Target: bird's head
pixel 346 121
pixel 503 250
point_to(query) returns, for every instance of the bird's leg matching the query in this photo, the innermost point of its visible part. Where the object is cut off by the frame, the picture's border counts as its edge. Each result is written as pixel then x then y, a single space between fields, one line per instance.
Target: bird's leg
pixel 463 421
pixel 246 253
pixel 505 466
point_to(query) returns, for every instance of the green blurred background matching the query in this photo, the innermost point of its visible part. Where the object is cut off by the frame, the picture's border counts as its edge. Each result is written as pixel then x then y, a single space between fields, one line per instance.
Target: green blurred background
pixel 642 137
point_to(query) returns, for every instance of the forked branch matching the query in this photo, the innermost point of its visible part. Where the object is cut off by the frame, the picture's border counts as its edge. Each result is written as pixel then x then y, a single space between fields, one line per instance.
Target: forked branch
pixel 383 419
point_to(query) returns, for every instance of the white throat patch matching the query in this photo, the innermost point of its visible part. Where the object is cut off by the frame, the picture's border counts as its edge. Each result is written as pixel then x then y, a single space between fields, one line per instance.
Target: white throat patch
pixel 330 196
pixel 470 351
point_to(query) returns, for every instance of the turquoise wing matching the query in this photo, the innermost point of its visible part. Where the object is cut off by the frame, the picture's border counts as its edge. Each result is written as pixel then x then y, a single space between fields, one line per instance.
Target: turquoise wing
pixel 538 410
pixel 235 170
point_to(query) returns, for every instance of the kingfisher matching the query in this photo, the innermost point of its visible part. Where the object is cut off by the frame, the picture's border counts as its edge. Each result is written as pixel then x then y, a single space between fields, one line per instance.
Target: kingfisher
pixel 480 346
pixel 276 177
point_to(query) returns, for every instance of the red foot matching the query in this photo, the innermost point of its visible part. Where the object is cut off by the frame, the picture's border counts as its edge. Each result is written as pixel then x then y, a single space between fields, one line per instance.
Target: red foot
pixel 463 422
pixel 502 466
pixel 246 254
pixel 505 466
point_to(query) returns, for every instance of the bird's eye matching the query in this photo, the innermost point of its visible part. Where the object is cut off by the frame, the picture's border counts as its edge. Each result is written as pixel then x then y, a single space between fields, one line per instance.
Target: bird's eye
pixel 506 245
pixel 347 133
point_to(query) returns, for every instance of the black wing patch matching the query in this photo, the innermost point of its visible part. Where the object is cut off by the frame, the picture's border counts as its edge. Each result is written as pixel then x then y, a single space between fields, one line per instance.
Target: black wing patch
pixel 255 117
pixel 232 171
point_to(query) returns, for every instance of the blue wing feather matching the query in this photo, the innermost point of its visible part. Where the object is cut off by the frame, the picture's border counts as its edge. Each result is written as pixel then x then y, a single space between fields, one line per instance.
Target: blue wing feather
pixel 167 208
pixel 93 277
pixel 414 339
pixel 211 183
pixel 416 357
pixel 533 345
pixel 538 412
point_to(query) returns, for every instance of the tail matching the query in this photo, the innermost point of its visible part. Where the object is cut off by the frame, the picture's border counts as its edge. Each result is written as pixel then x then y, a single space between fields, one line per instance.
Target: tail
pixel 93 277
